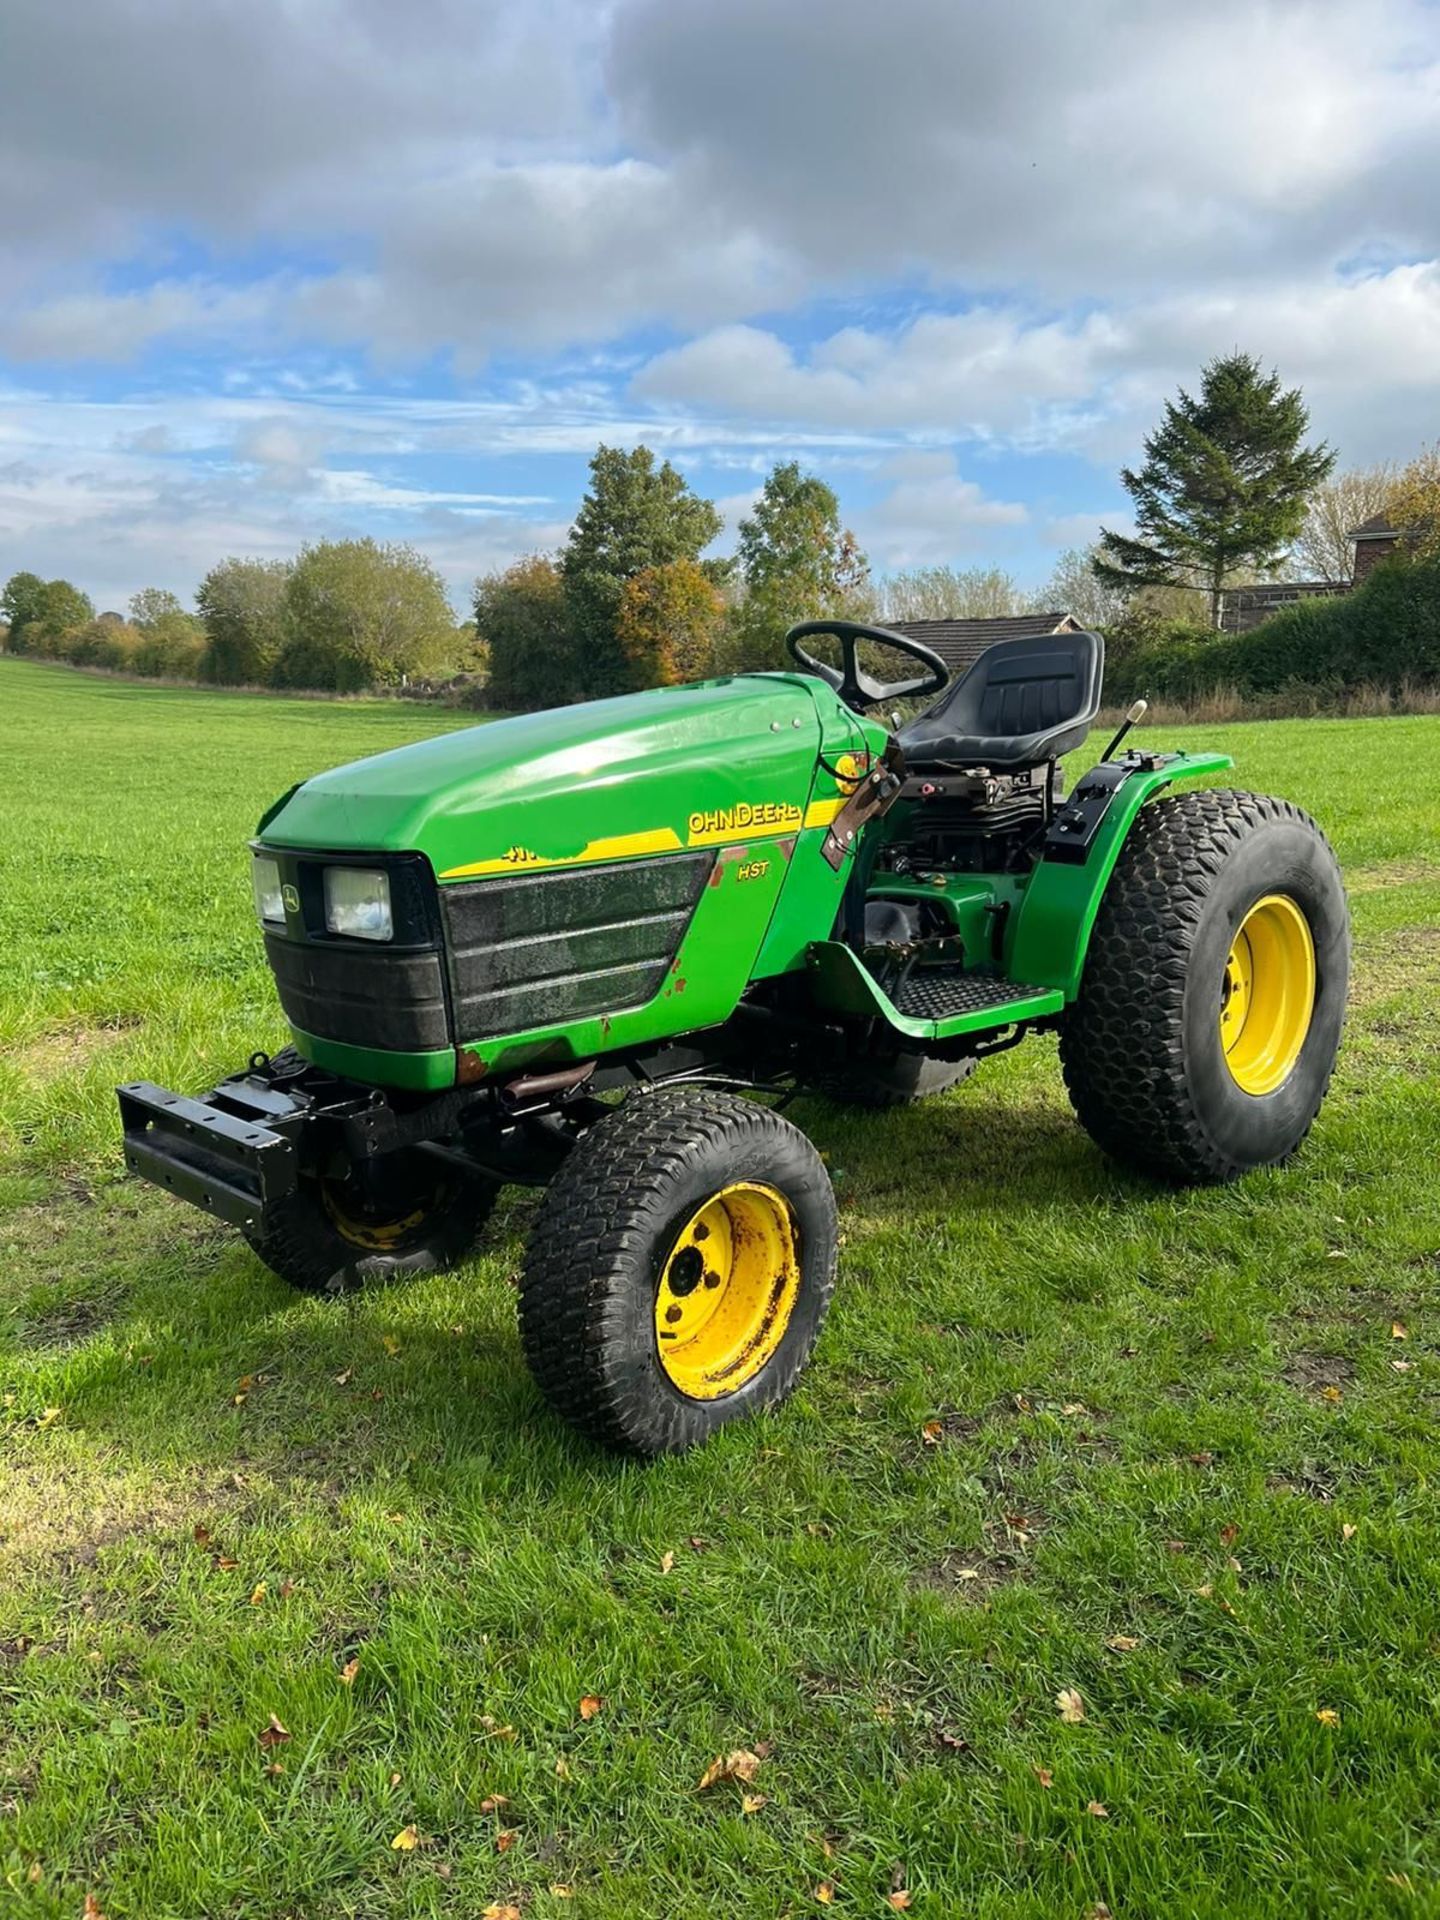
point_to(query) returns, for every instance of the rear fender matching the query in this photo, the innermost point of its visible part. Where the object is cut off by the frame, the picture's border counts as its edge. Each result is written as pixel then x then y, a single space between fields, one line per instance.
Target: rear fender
pixel 1051 930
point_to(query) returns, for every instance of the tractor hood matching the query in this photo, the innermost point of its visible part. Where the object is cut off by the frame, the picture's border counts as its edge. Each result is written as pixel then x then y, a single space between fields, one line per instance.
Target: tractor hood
pixel 647 773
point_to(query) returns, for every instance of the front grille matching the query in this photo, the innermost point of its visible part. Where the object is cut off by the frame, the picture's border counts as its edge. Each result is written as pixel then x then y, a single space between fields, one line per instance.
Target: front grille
pixel 536 949
pixel 367 997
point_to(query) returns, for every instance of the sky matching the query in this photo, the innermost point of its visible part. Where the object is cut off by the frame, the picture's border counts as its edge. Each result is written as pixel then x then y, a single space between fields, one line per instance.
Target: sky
pixel 295 269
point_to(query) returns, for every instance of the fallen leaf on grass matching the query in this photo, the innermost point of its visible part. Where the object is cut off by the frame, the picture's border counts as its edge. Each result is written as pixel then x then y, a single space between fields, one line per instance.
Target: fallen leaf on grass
pixel 1398 1330
pixel 1332 1394
pixel 394 1779
pixel 590 1705
pixel 738 1765
pixel 504 1841
pixel 1347 1531
pixel 1229 1534
pixel 1069 1705
pixel 224 1563
pixel 1327 1716
pixel 1044 1776
pixel 1097 1811
pixel 495 1730
pixel 35 1873
pixel 753 1802
pixel 562 1768
pixel 559 1891
pixel 92 1908
pixel 500 1911
pixel 274 1735
pixel 344 1379
pixel 494 1800
pixel 1401 1366
pixel 1122 1643
pixel 349 1671
pixel 900 1900
pixel 275 1769
pixel 257 1598
pixel 825 1893
pixel 932 1433
pixel 390 1344
pixel 203 1536
pixel 697 1545
pixel 667 1561
pixel 47 1418
pixel 406 1840
pixel 287 1587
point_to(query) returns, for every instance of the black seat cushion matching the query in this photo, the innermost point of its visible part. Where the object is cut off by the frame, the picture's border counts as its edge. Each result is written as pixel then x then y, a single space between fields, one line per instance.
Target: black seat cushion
pixel 1022 702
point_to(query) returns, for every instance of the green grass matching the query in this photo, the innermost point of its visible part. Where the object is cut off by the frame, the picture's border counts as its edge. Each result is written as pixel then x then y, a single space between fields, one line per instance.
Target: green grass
pixel 1172 1418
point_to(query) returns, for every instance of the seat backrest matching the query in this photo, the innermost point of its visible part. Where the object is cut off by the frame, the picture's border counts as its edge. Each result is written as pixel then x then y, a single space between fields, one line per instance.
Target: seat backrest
pixel 1021 702
pixel 1029 686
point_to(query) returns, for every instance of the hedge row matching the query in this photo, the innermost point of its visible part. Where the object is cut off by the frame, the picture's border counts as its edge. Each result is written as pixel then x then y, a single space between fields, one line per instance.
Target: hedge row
pixel 1386 634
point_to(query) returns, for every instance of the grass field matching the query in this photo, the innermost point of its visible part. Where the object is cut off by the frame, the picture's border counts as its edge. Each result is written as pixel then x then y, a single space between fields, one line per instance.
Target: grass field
pixel 1064 1431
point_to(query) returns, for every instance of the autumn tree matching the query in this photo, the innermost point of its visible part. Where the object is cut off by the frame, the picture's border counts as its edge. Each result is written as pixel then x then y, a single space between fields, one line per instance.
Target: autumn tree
pixel 797 562
pixel 1223 488
pixel 949 593
pixel 59 609
pixel 635 515
pixel 521 615
pixel 20 604
pixel 667 623
pixel 1413 504
pixel 1073 587
pixel 242 606
pixel 1323 548
pixel 362 613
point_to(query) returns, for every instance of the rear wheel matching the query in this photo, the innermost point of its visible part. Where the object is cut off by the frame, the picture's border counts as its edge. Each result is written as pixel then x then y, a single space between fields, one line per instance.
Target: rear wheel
pixel 679 1270
pixel 1209 1015
pixel 405 1213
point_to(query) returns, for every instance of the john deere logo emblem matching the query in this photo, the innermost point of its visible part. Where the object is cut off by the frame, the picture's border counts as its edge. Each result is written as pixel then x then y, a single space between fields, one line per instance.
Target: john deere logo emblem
pixel 291 896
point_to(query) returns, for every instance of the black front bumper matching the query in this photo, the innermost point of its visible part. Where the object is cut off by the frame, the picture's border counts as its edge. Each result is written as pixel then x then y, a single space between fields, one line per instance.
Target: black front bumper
pixel 232 1154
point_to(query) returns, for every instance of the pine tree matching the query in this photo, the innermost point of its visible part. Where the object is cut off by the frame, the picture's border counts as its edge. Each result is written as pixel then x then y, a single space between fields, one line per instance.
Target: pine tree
pixel 1223 488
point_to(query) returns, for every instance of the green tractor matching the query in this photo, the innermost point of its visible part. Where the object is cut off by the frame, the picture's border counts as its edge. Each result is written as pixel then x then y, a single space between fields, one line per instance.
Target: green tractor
pixel 570 949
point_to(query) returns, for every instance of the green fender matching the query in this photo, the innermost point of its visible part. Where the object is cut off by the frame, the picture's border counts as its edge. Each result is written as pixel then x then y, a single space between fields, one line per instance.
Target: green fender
pixel 1051 931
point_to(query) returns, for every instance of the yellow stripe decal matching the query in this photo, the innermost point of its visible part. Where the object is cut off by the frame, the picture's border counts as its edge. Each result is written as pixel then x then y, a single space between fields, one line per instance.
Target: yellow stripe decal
pixel 705 830
pixel 621 846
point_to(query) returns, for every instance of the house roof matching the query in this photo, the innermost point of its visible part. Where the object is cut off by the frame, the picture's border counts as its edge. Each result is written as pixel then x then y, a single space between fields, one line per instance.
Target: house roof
pixel 960 643
pixel 1377 527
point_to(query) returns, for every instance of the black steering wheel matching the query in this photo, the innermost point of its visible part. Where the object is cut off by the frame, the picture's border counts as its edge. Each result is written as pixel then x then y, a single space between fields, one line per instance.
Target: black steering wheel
pixel 854 686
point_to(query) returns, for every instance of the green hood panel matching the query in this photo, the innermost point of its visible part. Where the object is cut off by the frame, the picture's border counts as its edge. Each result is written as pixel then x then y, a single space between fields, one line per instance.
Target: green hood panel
pixel 647 773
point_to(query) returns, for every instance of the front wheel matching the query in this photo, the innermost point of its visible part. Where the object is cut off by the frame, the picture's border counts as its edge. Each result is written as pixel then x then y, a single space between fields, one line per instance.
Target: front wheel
pixel 679 1270
pixel 403 1213
pixel 1209 1015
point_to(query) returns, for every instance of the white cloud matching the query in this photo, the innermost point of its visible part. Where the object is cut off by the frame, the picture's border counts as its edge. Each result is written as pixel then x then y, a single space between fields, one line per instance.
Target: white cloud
pixel 1366 351
pixel 931 513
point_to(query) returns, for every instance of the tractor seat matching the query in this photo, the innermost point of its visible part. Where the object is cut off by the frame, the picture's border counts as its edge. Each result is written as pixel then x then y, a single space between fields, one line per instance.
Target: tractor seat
pixel 1022 702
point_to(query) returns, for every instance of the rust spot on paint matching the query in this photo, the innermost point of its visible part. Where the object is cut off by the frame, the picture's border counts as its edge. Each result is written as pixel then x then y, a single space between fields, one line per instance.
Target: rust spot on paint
pixel 679 986
pixel 786 846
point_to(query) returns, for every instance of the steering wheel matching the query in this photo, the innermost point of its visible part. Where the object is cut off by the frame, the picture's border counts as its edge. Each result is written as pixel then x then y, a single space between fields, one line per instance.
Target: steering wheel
pixel 854 686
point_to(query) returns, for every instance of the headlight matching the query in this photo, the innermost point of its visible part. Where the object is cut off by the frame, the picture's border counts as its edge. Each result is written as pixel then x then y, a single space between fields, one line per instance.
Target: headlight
pixel 269 904
pixel 357 902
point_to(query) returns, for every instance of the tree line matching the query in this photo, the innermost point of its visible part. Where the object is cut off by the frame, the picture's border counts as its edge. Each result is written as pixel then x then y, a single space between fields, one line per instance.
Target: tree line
pixel 1229 493
pixel 345 616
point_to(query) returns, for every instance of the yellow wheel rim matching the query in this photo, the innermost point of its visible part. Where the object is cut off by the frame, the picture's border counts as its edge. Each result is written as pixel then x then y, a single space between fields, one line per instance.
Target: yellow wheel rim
pixel 727 1290
pixel 378 1236
pixel 1268 994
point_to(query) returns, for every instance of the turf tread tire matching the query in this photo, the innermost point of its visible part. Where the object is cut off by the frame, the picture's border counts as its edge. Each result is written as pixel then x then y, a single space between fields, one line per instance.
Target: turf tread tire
pixel 590 1263
pixel 1123 1044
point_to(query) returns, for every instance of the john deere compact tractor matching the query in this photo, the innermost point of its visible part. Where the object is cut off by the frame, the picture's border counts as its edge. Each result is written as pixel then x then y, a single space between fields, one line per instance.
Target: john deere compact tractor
pixel 578 949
